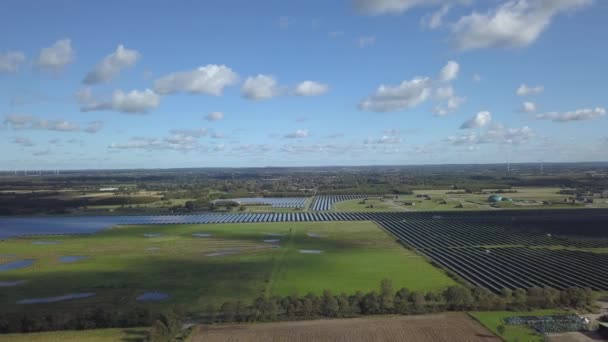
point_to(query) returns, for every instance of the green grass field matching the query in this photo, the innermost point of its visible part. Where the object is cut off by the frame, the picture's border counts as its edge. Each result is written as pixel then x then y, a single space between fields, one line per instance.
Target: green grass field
pixel 355 256
pixel 94 335
pixel 521 333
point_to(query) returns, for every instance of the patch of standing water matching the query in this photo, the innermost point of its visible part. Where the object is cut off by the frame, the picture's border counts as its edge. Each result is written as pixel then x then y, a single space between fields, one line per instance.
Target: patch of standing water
pixel 152 235
pixel 201 234
pixel 315 235
pixel 11 283
pixel 46 242
pixel 15 265
pixel 72 258
pixel 310 251
pixel 56 299
pixel 221 253
pixel 274 234
pixel 152 296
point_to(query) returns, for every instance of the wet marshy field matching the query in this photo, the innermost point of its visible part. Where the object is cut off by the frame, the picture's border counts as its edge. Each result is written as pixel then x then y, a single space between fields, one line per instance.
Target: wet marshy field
pixel 192 265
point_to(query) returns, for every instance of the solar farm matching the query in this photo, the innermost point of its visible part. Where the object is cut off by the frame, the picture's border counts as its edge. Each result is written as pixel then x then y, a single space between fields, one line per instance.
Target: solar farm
pixel 286 202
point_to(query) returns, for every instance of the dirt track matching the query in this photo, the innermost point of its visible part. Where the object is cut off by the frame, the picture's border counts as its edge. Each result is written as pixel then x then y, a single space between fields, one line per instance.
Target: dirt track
pixel 453 327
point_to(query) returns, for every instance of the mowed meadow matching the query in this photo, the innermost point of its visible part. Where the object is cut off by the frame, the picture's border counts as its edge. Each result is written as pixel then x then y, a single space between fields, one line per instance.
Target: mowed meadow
pixel 198 265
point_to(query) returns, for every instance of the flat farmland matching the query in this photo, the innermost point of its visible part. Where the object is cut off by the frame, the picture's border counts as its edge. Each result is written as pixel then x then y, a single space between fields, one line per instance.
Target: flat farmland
pixel 453 327
pixel 198 264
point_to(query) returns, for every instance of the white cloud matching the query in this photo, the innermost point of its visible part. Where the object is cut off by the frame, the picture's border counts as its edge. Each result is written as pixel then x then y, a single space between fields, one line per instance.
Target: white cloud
pixel 27 121
pixel 408 94
pixel 376 7
pixel 176 142
pixel 43 152
pixel 194 133
pixel 285 22
pixel 260 87
pixel 449 106
pixel 365 41
pixel 56 56
pixel 577 115
pixel 133 102
pixel 300 133
pixel 210 79
pixel 525 90
pixel 515 23
pixel 218 135
pixel 311 88
pixel 94 127
pixel 112 65
pixel 449 72
pixel 480 119
pixel 10 61
pixel 25 142
pixel 436 19
pixel 214 116
pixel 476 77
pixel 496 134
pixel 528 107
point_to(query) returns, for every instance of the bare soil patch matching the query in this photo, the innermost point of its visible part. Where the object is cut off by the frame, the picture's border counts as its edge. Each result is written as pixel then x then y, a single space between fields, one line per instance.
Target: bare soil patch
pixel 453 327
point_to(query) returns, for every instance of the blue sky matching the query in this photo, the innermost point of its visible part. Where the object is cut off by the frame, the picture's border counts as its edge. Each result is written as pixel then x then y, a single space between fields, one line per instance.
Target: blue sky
pixel 117 84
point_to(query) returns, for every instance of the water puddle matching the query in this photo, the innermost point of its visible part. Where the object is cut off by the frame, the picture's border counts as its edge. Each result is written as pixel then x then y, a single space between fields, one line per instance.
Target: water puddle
pixel 15 265
pixel 152 296
pixel 11 283
pixel 201 235
pixel 152 235
pixel 310 251
pixel 72 258
pixel 56 299
pixel 315 235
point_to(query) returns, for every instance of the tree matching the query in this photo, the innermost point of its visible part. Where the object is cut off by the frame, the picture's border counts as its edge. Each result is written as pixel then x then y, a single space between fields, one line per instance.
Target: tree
pixel 229 311
pixel 211 313
pixel 387 296
pixel 329 305
pixel 458 298
pixel 500 329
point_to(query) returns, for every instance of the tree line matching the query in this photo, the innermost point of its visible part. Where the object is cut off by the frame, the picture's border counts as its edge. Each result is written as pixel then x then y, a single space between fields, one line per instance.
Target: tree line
pixel 384 300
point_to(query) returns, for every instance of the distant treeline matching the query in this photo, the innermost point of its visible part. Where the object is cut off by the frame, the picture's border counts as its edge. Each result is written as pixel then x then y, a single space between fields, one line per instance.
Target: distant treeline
pixel 389 301
pixel 386 300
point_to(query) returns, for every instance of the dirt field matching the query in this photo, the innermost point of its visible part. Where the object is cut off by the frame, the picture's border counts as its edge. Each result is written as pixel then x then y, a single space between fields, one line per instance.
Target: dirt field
pixel 451 327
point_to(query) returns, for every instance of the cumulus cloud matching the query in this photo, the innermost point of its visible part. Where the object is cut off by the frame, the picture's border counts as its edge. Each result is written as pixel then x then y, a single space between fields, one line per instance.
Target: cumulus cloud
pixel 10 61
pixel 176 142
pixel 300 133
pixel 513 24
pixel 435 20
pixel 214 116
pixel 27 121
pixel 252 148
pixel 112 65
pixel 260 87
pixel 480 119
pixel 94 127
pixel 447 100
pixel 210 79
pixel 528 107
pixel 133 102
pixel 525 90
pixel 310 88
pixel 218 135
pixel 476 78
pixel 376 7
pixel 496 134
pixel 365 41
pixel 576 115
pixel 406 95
pixel 57 56
pixel 194 133
pixel 285 22
pixel 42 152
pixel 449 72
pixel 25 142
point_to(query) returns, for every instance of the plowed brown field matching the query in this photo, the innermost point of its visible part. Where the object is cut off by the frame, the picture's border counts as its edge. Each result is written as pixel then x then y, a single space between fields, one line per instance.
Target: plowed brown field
pixel 452 327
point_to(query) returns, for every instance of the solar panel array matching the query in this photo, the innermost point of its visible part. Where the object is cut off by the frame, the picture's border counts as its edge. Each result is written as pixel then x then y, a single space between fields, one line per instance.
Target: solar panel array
pixel 275 202
pixel 326 202
pixel 495 250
